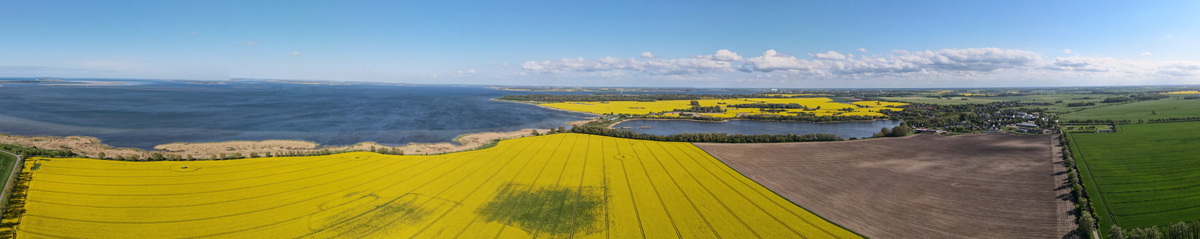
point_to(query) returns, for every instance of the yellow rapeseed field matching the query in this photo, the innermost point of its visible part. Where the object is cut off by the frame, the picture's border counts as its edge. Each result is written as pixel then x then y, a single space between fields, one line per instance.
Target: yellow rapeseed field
pixel 827 106
pixel 555 186
pixel 1183 92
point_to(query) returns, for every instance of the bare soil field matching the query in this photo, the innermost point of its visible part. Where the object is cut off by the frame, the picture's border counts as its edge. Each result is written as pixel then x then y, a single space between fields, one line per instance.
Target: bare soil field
pixel 923 186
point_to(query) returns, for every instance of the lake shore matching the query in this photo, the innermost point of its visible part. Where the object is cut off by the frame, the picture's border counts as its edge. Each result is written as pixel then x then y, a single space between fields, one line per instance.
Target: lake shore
pixel 93 147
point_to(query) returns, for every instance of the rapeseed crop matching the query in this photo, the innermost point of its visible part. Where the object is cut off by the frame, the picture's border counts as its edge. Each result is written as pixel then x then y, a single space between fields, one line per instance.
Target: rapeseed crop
pixel 555 186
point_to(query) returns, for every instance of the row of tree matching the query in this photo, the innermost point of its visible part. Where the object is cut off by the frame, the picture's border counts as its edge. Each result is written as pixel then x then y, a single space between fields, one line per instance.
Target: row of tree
pixel 707 137
pixel 1085 217
pixel 15 204
pixel 773 105
pixel 898 131
pixel 292 153
pixel 26 152
pixel 1092 121
pixel 1181 230
pixel 809 117
pixel 1136 97
pixel 1175 119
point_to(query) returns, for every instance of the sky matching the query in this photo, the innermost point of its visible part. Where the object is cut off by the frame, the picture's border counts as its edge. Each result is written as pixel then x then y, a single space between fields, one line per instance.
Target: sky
pixel 784 44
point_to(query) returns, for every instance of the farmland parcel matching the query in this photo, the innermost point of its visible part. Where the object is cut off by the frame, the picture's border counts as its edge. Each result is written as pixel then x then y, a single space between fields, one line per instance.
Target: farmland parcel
pixel 1142 175
pixel 924 186
pixel 556 186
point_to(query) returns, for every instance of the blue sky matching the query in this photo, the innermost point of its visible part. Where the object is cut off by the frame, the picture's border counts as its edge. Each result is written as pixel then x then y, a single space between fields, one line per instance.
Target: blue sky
pixel 612 43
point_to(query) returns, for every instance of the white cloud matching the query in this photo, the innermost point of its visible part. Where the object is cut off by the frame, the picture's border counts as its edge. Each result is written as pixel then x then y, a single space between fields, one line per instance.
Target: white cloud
pixel 721 61
pixel 899 67
pixel 1147 54
pixel 862 50
pixel 773 61
pixel 294 53
pixel 831 55
pixel 647 55
pixel 466 72
pixel 250 43
pixel 722 55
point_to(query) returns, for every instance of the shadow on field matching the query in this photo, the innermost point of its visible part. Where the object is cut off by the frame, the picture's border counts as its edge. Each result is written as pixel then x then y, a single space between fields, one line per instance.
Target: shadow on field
pixel 553 211
pixel 361 214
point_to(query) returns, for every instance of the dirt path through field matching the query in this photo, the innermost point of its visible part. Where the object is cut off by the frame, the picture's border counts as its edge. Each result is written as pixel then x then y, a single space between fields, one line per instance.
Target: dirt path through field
pixel 923 186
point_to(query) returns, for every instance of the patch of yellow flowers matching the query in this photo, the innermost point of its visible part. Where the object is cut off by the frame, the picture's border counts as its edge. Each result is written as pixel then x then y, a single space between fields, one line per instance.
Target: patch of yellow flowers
pixel 556 186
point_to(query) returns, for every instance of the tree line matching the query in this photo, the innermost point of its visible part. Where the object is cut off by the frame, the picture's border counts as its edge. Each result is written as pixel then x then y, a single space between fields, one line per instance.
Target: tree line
pixel 1175 119
pixel 706 137
pixel 26 152
pixel 1085 215
pixel 773 105
pixel 1182 230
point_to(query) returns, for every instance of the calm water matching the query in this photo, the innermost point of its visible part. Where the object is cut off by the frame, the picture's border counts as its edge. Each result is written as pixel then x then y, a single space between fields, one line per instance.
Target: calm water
pixel 845 130
pixel 148 113
pixel 143 113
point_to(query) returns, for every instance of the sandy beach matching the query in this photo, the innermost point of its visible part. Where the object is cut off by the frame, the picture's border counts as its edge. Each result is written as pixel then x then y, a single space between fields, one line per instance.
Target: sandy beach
pixel 93 147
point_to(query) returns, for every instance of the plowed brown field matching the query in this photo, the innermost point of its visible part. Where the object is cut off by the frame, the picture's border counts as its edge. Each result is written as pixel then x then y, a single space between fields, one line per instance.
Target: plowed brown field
pixel 924 186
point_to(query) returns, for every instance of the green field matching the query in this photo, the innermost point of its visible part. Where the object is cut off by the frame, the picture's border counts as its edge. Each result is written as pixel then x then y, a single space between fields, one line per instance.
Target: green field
pixel 7 162
pixel 1046 98
pixel 1143 175
pixel 1173 107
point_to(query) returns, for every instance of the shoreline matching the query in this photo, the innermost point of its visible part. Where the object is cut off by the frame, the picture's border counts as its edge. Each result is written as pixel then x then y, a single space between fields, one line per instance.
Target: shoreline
pixel 92 147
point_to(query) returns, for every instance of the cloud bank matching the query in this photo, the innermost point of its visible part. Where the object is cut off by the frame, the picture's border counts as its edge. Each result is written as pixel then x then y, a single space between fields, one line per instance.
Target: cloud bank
pixel 980 65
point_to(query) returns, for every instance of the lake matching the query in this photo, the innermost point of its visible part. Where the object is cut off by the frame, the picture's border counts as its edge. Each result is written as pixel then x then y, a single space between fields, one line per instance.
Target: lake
pixel 143 114
pixel 843 129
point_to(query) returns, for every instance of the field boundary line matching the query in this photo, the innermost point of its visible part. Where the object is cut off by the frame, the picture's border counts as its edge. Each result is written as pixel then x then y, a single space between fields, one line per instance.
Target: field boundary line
pixel 781 196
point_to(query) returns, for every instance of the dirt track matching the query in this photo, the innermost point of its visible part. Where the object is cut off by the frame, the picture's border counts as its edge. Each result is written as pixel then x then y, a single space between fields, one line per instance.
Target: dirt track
pixel 924 186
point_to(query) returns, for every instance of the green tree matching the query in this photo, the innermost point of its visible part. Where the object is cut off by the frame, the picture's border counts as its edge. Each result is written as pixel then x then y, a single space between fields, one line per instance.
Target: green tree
pixel 1086 223
pixel 1179 230
pixel 253 155
pixel 101 155
pixel 1114 232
